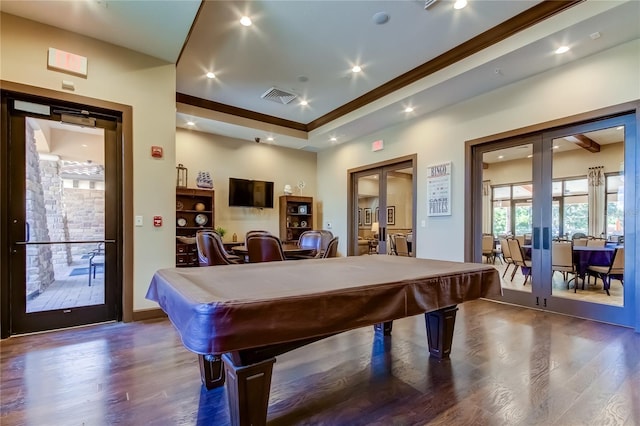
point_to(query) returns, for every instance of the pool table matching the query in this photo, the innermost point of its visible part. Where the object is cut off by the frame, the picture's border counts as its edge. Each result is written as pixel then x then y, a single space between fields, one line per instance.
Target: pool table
pixel 238 318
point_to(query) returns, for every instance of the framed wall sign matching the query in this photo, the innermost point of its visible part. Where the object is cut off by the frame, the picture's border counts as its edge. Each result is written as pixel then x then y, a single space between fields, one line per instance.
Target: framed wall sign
pixel 439 189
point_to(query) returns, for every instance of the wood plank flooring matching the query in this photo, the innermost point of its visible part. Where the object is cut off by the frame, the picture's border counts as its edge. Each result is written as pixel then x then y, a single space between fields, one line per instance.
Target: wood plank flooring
pixel 509 366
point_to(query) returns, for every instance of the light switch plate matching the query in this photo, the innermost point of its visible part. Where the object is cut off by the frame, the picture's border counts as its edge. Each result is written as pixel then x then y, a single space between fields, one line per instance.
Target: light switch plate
pixel 139 221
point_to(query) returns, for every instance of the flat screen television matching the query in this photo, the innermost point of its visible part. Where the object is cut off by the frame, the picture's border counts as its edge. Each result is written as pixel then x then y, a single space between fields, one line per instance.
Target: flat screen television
pixel 250 193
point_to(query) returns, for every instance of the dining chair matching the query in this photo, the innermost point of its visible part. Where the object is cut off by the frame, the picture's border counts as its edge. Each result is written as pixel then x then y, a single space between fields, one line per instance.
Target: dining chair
pixel 506 254
pixel 596 242
pixel 391 244
pixel 577 235
pixel 580 242
pixel 402 248
pixel 311 240
pixel 615 270
pixel 210 249
pixel 264 248
pixel 255 232
pixel 96 259
pixel 519 260
pixel 332 249
pixel 562 260
pixel 487 248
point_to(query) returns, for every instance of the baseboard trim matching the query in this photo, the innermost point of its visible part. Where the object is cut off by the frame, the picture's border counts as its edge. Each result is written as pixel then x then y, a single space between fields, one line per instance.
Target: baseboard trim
pixel 148 314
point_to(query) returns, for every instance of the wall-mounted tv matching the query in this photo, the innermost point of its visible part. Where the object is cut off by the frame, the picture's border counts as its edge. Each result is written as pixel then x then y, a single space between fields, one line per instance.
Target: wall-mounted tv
pixel 250 193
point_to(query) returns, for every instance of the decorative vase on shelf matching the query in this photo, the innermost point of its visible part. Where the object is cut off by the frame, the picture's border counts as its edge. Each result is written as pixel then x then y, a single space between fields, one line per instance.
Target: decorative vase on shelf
pixel 204 180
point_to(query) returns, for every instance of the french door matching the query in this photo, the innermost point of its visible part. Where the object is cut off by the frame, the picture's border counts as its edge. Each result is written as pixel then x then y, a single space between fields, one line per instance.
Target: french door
pixel 563 186
pixel 62 216
pixel 382 205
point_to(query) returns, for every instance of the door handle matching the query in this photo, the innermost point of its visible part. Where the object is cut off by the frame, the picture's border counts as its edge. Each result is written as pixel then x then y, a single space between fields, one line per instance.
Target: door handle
pixel 28 231
pixel 536 238
pixel 546 236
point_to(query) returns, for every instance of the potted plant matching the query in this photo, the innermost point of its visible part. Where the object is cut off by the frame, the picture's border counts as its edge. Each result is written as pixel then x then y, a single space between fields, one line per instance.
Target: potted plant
pixel 221 231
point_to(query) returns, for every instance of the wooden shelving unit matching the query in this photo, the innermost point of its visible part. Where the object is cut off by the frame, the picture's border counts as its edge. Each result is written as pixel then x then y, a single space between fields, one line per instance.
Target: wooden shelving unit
pixel 194 211
pixel 296 216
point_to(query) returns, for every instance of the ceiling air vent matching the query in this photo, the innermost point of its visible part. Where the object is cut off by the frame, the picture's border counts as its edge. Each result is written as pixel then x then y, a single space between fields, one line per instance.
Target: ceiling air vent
pixel 278 95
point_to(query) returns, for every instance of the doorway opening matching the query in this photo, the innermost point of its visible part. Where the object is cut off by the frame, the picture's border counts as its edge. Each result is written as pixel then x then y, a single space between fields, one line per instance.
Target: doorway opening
pixel 382 208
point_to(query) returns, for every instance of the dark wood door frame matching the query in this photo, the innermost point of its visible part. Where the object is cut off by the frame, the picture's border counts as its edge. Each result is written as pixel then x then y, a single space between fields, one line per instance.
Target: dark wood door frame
pixel 125 183
pixel 352 199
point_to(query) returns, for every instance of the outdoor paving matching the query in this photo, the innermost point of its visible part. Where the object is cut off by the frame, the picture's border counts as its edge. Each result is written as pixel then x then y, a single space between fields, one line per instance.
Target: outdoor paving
pixel 70 291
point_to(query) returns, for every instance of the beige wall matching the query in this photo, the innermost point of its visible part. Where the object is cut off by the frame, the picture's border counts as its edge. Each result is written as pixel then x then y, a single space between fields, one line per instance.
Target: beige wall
pixel 227 157
pixel 565 164
pixel 125 77
pixel 441 136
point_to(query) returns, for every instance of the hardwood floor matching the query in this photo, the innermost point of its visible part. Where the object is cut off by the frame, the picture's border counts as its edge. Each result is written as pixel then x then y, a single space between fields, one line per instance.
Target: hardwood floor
pixel 509 366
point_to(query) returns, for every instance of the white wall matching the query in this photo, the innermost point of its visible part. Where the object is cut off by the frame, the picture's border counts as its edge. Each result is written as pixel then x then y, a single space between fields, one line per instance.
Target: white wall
pixel 581 86
pixel 227 157
pixel 122 76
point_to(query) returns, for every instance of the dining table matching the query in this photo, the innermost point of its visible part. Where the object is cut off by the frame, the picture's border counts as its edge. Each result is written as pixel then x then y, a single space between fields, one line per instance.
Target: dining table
pixel 291 250
pixel 585 256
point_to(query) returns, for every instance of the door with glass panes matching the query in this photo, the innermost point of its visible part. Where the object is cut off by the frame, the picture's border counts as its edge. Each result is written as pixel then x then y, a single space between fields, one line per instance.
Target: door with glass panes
pixel 559 199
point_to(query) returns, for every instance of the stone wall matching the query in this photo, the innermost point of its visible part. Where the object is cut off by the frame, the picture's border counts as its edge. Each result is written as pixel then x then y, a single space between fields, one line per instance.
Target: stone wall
pixel 56 220
pixel 85 216
pixel 39 268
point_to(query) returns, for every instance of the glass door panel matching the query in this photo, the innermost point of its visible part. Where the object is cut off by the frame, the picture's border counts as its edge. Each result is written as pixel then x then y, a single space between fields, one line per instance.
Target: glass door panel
pixel 398 212
pixel 588 166
pixel 65 205
pixel 507 212
pixel 368 195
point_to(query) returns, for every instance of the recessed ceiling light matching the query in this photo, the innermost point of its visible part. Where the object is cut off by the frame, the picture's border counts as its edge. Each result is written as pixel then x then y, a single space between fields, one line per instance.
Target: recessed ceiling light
pixel 562 49
pixel 500 157
pixel 408 109
pixel 270 139
pixel 460 4
pixel 333 139
pixel 303 102
pixel 211 75
pixel 530 155
pixel 84 145
pixel 619 127
pixel 356 68
pixel 246 21
pixel 190 123
pixel 556 147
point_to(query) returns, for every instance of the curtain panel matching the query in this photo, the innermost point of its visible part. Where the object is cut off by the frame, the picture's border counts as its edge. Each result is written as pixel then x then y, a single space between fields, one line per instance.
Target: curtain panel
pixel 596 199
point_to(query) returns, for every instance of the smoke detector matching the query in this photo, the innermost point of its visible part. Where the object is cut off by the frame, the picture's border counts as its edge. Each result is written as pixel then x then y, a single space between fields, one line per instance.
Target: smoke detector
pixel 279 96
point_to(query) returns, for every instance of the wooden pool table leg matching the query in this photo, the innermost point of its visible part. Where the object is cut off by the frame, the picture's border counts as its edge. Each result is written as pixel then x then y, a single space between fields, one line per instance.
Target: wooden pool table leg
pixel 248 391
pixel 440 325
pixel 211 371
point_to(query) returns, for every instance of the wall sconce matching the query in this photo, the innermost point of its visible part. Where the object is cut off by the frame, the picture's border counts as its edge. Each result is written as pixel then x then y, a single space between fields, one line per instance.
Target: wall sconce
pixel 181 176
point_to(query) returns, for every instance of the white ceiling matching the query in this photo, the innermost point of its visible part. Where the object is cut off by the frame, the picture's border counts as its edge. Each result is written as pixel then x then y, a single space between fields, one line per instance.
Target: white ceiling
pixel 308 47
